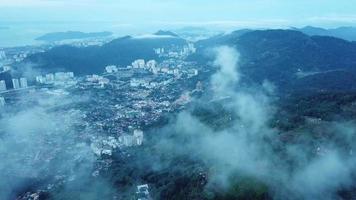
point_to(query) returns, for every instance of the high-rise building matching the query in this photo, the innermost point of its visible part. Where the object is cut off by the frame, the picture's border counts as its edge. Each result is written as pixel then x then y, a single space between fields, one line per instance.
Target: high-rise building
pixel 40 79
pixel 2 55
pixel 15 83
pixel 49 78
pixel 23 83
pixel 111 69
pixel 2 85
pixel 127 140
pixel 60 76
pixel 140 63
pixel 176 72
pixel 151 64
pixel 138 135
pixel 196 72
pixel 143 192
pixel 70 74
pixel 2 101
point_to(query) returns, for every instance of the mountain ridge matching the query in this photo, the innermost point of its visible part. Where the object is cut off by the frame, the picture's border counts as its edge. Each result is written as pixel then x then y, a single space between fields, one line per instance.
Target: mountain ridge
pixel 87 60
pixel 278 55
pixel 59 36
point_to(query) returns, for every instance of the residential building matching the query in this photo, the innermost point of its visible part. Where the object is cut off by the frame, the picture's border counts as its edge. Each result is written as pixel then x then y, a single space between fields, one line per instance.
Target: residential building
pixel 2 85
pixel 140 63
pixel 49 78
pixel 111 69
pixel 40 79
pixel 23 83
pixel 2 101
pixel 151 64
pixel 143 192
pixel 6 68
pixel 2 55
pixel 15 83
pixel 138 135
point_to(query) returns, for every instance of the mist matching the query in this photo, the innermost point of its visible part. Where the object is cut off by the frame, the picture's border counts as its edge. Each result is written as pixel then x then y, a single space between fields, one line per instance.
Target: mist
pixel 43 146
pixel 252 147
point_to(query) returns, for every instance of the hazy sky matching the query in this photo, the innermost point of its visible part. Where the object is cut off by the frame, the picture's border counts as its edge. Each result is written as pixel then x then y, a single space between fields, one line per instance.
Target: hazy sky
pixel 237 13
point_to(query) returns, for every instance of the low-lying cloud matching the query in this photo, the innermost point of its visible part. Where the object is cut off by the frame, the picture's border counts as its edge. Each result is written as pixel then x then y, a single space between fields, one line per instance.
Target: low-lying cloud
pixel 43 143
pixel 40 146
pixel 253 148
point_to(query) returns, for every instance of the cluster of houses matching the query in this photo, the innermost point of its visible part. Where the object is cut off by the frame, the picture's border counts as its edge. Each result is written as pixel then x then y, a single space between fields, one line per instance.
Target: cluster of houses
pixel 57 77
pixel 106 146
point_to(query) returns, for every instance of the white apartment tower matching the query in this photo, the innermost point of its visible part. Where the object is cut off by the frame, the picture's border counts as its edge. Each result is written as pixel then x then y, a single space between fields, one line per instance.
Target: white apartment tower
pixel 23 83
pixel 2 101
pixel 15 83
pixel 138 135
pixel 2 85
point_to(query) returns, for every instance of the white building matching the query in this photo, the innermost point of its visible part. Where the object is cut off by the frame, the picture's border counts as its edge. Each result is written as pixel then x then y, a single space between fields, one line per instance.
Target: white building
pixel 70 74
pixel 6 68
pixel 138 82
pixel 151 64
pixel 159 51
pixel 192 48
pixel 2 101
pixel 111 69
pixel 143 192
pixel 2 85
pixel 140 63
pixel 40 79
pixel 176 72
pixel 193 72
pixel 103 81
pixel 49 78
pixel 196 72
pixel 132 140
pixel 60 76
pixel 166 103
pixel 127 140
pixel 2 55
pixel 155 70
pixel 138 135
pixel 93 78
pixel 23 83
pixel 165 69
pixel 15 83
pixel 154 84
pixel 63 76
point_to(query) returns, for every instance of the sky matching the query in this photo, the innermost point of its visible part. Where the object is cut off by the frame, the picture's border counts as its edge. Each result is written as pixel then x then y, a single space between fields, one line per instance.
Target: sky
pixel 21 21
pixel 224 13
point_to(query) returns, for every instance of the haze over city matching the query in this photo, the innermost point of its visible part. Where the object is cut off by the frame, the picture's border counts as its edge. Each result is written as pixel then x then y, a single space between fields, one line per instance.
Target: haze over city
pixel 177 99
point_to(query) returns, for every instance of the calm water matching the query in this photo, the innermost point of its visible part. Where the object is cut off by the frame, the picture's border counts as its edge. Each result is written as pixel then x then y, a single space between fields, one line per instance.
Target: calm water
pixel 24 33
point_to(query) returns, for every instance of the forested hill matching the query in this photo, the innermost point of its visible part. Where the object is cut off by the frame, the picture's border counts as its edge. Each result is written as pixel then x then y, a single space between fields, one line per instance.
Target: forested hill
pixel 93 59
pixel 290 59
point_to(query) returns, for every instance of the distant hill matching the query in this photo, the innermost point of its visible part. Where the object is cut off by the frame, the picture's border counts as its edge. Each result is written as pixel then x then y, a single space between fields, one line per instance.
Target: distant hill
pixel 166 33
pixel 222 39
pixel 280 56
pixel 346 33
pixel 93 59
pixel 58 36
pixel 194 33
pixel 290 59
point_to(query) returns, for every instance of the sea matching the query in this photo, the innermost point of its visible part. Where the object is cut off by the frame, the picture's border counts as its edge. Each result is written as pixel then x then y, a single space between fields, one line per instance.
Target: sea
pixel 13 34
